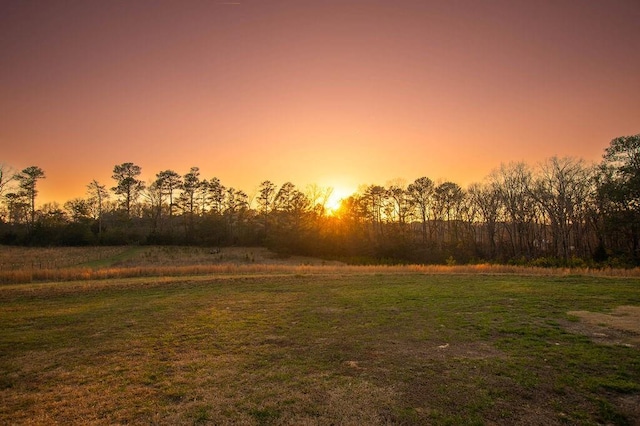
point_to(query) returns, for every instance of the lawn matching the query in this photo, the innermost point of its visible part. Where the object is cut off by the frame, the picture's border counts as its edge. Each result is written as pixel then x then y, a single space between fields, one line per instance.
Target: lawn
pixel 321 348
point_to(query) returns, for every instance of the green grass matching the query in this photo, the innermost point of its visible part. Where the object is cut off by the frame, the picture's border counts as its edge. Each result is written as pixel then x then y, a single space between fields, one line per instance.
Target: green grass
pixel 314 349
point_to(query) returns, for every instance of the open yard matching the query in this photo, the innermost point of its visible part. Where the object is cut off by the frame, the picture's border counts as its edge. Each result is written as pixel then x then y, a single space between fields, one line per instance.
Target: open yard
pixel 321 346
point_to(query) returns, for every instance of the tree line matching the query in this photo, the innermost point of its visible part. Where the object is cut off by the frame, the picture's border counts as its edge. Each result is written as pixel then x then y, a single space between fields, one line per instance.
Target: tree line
pixel 561 212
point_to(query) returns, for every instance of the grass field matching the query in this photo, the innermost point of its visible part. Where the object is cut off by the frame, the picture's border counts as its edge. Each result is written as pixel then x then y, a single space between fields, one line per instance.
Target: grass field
pixel 321 346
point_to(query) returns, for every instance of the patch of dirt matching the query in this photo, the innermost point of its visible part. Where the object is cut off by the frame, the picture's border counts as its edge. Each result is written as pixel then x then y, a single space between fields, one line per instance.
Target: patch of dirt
pixel 629 405
pixel 621 327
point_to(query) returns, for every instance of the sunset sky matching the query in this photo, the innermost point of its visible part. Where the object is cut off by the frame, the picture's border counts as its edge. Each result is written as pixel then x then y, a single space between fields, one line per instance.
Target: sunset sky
pixel 337 93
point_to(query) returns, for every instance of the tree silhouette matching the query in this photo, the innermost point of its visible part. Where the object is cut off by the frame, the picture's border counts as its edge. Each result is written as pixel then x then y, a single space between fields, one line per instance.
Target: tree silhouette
pixel 487 200
pixel 562 189
pixel 619 191
pixel 27 180
pixel 17 208
pixel 374 198
pixel 421 192
pixel 216 195
pixel 550 214
pixel 513 183
pixel 6 177
pixel 168 182
pixel 448 199
pixel 97 196
pixel 190 184
pixel 128 186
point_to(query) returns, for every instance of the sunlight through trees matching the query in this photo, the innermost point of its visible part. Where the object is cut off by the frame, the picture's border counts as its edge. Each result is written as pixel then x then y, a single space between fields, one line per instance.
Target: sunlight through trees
pixel 561 212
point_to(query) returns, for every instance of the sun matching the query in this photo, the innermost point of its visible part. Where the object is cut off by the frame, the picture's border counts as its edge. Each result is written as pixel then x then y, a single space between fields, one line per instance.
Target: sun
pixel 335 199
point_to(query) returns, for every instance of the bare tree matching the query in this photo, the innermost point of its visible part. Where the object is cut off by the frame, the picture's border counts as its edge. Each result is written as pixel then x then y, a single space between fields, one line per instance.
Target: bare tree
pixel 78 209
pixel 487 201
pixel 448 197
pixel 52 215
pixel 513 183
pixel 98 194
pixel 265 200
pixel 421 193
pixel 17 208
pixel 318 197
pixel 562 188
pixel 236 203
pixel 154 196
pixel 7 175
pixel 399 202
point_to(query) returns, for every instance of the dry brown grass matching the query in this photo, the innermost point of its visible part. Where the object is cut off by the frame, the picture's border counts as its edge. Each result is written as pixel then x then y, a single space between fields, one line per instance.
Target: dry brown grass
pixel 28 258
pixel 84 274
pixel 27 265
pixel 625 319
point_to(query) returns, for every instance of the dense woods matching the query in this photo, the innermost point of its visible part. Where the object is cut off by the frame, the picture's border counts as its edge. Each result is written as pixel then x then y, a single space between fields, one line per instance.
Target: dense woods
pixel 560 212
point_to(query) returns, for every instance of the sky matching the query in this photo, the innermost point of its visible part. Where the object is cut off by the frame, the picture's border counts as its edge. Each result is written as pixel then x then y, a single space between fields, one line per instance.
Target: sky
pixel 334 93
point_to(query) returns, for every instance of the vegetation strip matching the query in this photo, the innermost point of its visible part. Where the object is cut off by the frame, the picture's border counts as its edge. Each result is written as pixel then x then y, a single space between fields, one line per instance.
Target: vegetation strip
pixel 88 274
pixel 560 213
